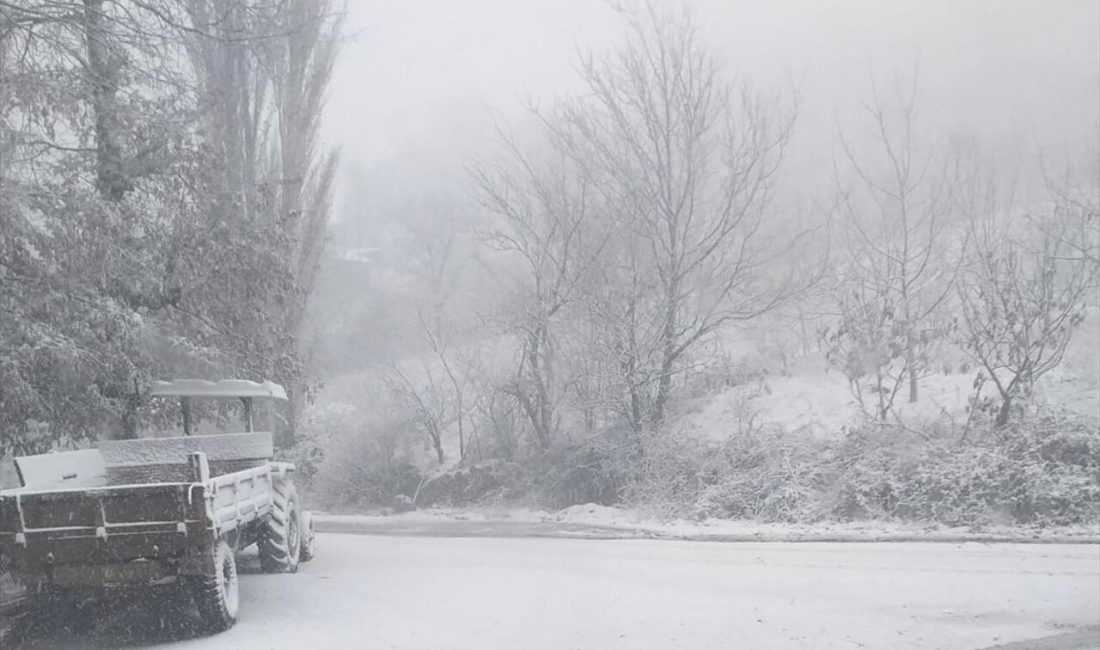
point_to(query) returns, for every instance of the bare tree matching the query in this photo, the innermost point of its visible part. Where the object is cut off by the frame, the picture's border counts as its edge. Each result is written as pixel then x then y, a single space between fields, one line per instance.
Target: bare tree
pixel 1076 214
pixel 428 403
pixel 648 214
pixel 545 211
pixel 440 259
pixel 902 258
pixel 689 160
pixel 439 339
pixel 1021 300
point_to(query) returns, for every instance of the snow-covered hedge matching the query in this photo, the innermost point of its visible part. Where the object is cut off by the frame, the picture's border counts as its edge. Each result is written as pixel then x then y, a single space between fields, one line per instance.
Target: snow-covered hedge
pixel 1043 471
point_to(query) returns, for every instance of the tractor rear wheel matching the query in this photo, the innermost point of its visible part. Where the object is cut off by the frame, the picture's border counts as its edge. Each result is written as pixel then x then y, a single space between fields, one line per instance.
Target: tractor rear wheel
pixel 281 540
pixel 217 595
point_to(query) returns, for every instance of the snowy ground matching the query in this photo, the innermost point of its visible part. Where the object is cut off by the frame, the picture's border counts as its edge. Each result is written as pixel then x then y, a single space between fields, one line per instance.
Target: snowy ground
pixel 439 592
pixel 817 399
pixel 819 402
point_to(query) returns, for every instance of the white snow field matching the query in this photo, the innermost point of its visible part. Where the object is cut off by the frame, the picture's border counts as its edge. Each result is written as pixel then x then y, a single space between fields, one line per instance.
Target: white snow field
pixel 393 592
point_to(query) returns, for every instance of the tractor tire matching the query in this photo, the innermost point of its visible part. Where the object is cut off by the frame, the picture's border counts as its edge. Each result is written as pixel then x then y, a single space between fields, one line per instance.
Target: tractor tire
pixel 309 541
pixel 281 541
pixel 217 596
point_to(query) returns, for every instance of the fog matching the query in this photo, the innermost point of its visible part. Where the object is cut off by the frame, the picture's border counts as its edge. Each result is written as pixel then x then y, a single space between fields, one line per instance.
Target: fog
pixel 755 273
pixel 422 88
pixel 420 81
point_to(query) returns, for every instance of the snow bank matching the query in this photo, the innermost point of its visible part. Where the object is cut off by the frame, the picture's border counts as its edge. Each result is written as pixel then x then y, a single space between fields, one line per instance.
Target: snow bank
pixel 592 513
pixel 592 520
pixel 818 400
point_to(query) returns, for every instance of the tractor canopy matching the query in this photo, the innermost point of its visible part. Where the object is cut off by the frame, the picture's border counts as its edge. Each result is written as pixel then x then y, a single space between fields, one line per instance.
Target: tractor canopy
pixel 241 388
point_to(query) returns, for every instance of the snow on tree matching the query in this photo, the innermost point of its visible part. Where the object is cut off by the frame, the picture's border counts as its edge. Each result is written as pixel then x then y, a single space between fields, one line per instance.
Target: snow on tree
pixel 135 240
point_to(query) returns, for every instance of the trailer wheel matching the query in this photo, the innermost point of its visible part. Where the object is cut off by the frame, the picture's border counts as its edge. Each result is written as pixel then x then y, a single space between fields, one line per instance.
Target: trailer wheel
pixel 281 541
pixel 217 595
pixel 309 542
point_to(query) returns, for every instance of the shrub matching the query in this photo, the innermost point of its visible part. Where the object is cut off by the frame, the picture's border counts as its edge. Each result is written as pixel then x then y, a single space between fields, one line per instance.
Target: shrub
pixel 767 474
pixel 589 472
pixel 486 482
pixel 1042 471
pixel 366 462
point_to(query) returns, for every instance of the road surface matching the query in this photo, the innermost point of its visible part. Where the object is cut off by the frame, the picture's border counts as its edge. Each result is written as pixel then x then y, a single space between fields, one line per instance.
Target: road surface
pixel 382 592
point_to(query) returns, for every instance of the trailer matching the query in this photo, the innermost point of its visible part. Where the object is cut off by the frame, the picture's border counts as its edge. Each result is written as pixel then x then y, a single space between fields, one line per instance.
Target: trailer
pixel 157 511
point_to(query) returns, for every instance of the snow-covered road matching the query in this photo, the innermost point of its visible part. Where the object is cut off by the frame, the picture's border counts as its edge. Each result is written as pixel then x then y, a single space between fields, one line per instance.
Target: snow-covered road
pixel 521 593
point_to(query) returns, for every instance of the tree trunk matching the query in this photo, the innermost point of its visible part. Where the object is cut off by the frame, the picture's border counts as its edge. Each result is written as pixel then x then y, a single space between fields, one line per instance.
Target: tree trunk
pixel 1003 413
pixel 129 420
pixel 664 385
pixel 438 444
pixel 628 365
pixel 668 357
pixel 542 408
pixel 910 352
pixel 880 393
pixel 296 405
pixel 102 72
pixel 461 428
pixel 130 405
pixel 461 439
pixel 635 408
pixel 627 350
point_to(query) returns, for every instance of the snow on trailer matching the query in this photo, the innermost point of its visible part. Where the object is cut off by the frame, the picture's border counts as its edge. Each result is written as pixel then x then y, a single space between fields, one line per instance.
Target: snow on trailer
pixel 157 510
pixel 166 459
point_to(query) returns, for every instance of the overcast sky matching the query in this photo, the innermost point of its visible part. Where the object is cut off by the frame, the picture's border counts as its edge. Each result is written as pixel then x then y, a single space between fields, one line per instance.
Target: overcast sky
pixel 420 79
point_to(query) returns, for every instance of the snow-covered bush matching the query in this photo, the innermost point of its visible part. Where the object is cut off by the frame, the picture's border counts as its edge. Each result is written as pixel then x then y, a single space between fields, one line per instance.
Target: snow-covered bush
pixel 1042 471
pixel 475 484
pixel 366 461
pixel 665 476
pixel 769 474
pixel 589 472
pixel 758 473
